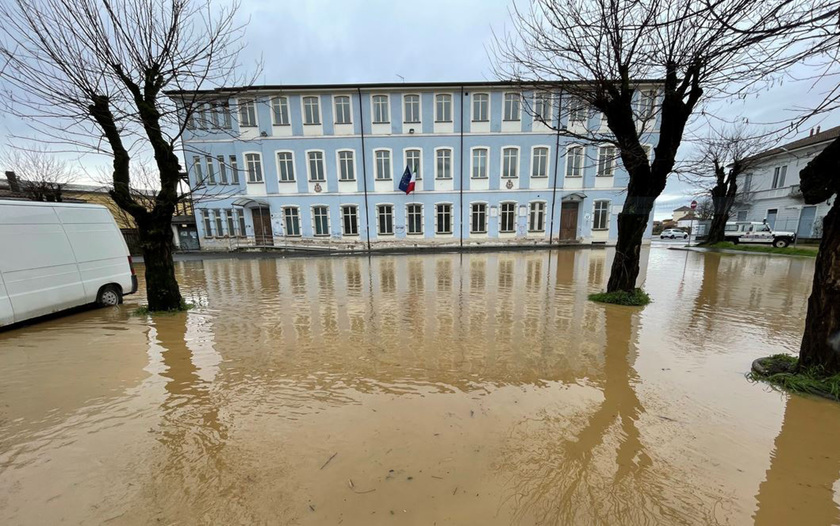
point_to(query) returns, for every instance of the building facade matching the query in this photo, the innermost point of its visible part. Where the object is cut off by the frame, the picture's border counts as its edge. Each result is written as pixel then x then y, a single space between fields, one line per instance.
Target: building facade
pixel 769 190
pixel 320 165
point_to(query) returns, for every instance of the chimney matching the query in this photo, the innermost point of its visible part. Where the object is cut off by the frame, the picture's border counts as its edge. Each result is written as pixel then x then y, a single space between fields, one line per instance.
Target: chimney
pixel 818 129
pixel 811 133
pixel 13 182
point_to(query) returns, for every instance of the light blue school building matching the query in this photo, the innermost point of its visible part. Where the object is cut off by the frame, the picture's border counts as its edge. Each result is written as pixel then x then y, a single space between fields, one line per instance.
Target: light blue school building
pixel 320 166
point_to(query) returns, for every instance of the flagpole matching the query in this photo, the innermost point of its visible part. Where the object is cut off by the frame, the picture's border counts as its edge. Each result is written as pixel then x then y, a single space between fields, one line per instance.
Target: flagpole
pixel 364 168
pixel 461 182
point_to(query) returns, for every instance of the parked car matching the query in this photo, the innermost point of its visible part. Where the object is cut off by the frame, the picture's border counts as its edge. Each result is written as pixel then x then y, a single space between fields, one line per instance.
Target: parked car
pixel 757 232
pixel 673 233
pixel 55 256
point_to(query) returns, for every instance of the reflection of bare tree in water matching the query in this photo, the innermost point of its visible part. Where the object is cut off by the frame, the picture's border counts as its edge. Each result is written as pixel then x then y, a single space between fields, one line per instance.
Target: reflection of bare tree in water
pixel 805 465
pixel 601 474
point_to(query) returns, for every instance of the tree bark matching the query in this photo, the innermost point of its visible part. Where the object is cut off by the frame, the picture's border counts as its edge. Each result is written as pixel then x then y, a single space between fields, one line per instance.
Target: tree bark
pixel 821 340
pixel 632 222
pixel 156 241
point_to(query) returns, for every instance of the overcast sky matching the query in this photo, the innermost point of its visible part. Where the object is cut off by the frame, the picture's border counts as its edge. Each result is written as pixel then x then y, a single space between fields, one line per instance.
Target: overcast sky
pixel 347 41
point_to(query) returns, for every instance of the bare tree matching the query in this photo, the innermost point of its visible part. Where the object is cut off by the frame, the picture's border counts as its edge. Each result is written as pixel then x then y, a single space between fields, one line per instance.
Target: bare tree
pixel 642 63
pixel 721 159
pixel 93 75
pixel 41 176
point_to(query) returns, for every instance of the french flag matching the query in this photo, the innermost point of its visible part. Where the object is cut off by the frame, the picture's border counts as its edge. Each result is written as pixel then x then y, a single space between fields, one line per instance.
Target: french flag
pixel 407 181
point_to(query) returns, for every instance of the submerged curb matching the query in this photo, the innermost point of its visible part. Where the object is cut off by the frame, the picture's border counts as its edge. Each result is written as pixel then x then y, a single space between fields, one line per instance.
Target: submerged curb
pixel 738 252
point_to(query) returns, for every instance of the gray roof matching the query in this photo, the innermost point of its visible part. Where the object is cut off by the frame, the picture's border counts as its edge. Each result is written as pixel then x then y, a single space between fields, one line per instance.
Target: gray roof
pixel 812 140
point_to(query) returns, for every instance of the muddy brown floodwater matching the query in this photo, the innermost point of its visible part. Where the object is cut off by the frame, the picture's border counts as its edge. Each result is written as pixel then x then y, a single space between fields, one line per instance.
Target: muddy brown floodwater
pixel 479 388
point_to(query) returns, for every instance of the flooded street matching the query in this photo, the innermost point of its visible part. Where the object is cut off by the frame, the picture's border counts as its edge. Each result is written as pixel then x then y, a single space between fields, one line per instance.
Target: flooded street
pixel 480 388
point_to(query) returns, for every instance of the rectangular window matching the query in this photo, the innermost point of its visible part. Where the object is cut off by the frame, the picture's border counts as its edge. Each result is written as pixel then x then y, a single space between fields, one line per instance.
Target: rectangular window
pixel 198 172
pixel 539 162
pixel 213 115
pixel 574 161
pixel 648 152
pixel 234 170
pixel 601 219
pixel 511 107
pixel 253 165
pixel 510 163
pixel 443 167
pixel 647 99
pixel 411 108
pixel 346 166
pixel 247 113
pixel 241 220
pixel 203 124
pixel 577 112
pixel 444 219
pixel 412 160
pixel 223 109
pixel 443 108
pixel 321 219
pixel 285 167
pixel 481 101
pixel 342 110
pixel 219 228
pixel 542 107
pixel 311 110
pixel 383 165
pixel 536 218
pixel 779 174
pixel 385 217
pixel 606 161
pixel 223 170
pixel 191 120
pixel 479 163
pixel 291 221
pixel 280 111
pixel 479 218
pixel 231 222
pixel 380 109
pixel 415 219
pixel 211 170
pixel 316 165
pixel 208 230
pixel 507 218
pixel 350 220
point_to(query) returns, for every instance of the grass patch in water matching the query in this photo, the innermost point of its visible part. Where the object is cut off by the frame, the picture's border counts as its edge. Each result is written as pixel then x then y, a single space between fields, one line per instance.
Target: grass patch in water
pixel 143 310
pixel 637 298
pixel 782 371
pixel 765 249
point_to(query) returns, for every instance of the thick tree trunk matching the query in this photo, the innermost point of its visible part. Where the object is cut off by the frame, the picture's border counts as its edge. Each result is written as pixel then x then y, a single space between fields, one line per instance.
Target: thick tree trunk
pixel 162 290
pixel 821 341
pixel 632 222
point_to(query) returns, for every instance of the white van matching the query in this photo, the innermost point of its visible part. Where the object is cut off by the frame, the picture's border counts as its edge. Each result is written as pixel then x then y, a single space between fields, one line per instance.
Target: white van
pixel 56 256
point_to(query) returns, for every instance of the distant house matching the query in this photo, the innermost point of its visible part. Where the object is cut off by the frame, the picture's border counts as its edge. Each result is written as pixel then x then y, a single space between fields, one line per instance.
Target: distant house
pixel 687 219
pixel 680 213
pixel 770 189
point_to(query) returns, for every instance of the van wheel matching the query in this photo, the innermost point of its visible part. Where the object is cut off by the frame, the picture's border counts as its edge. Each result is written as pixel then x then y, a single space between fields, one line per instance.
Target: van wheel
pixel 109 296
pixel 780 243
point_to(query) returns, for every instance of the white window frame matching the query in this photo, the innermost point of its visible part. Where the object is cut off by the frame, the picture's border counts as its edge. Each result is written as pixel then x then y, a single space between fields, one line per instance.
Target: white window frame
pixel 779 176
pixel 646 103
pixel 223 175
pixel 606 212
pixel 291 153
pixel 486 150
pixel 408 219
pixel 278 104
pixel 601 161
pixel 419 108
pixel 309 166
pixel 379 231
pixel 569 159
pixel 285 223
pixel 472 217
pixel 451 162
pixel 261 179
pixel 511 118
pixel 534 157
pixel 349 110
pixel 486 107
pixel 234 169
pixel 577 107
pixel 450 107
pixel 303 101
pixel 516 166
pixel 340 164
pixel 531 215
pixel 211 170
pixel 376 174
pixel 315 222
pixel 546 97
pixel 243 107
pixel 373 104
pixel 207 222
pixel 502 217
pixel 451 219
pixel 198 171
pixel 342 209
pixel 405 159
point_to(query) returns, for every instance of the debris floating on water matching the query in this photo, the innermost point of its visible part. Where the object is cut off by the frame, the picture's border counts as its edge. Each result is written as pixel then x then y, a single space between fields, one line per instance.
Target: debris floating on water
pixel 329 459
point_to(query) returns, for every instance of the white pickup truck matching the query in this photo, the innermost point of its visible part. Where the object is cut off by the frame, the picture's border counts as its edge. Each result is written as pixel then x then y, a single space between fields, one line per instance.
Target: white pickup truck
pixel 755 232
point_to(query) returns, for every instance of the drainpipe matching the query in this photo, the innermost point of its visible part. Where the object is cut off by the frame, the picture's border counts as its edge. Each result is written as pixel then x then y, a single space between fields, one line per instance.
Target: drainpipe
pixel 556 163
pixel 364 166
pixel 461 183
